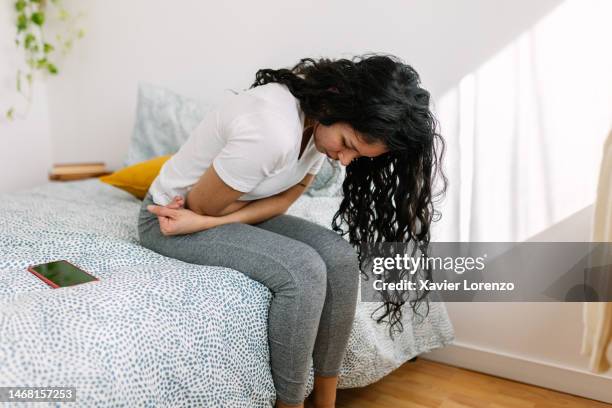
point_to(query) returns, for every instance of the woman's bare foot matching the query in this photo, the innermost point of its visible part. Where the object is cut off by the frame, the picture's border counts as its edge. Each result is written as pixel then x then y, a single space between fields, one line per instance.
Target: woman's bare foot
pixel 280 404
pixel 308 402
pixel 324 392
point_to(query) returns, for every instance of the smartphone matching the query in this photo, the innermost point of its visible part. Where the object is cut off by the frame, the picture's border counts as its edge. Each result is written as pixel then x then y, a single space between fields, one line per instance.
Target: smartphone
pixel 59 274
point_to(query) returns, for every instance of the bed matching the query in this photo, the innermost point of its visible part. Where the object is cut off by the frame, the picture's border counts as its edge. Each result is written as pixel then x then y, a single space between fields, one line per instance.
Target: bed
pixel 154 331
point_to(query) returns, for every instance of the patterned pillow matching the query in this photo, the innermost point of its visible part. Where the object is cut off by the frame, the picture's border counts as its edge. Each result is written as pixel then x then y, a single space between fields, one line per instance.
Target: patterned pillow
pixel 328 182
pixel 165 119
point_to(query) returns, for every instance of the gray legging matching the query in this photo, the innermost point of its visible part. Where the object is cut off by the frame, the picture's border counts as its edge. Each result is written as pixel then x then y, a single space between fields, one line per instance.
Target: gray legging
pixel 311 270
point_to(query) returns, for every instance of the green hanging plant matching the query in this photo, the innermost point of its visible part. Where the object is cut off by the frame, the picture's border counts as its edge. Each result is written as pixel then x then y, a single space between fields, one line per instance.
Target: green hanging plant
pixel 40 53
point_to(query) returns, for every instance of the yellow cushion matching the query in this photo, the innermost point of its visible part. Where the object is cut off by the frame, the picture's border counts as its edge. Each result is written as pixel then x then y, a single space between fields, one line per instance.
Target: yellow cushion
pixel 136 179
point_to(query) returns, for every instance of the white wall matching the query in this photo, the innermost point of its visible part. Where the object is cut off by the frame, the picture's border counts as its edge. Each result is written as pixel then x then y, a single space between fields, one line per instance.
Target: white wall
pixel 523 109
pixel 200 48
pixel 25 145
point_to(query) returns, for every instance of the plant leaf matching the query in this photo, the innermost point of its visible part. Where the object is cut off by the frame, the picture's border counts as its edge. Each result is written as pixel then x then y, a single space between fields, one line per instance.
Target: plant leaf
pixel 52 68
pixel 20 5
pixel 38 18
pixel 22 22
pixel 48 48
pixel 29 39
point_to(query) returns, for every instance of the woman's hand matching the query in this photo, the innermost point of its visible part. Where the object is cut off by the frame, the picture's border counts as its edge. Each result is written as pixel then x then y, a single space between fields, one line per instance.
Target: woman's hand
pixel 176 220
pixel 177 202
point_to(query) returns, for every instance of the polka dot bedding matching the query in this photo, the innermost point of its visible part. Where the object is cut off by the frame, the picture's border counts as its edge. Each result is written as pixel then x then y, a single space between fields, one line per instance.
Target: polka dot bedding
pixel 154 331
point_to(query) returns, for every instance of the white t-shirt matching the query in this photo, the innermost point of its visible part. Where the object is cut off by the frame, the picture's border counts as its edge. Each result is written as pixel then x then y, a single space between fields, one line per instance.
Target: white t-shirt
pixel 253 141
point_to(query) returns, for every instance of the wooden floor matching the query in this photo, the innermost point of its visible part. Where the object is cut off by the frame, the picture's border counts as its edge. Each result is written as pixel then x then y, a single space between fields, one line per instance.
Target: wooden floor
pixel 424 383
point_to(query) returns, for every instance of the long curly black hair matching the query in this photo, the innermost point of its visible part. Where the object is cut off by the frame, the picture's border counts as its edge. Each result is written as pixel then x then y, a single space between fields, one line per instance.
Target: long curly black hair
pixel 388 198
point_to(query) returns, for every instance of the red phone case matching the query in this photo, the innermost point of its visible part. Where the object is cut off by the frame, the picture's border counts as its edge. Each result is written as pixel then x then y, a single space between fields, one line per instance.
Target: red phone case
pixel 52 284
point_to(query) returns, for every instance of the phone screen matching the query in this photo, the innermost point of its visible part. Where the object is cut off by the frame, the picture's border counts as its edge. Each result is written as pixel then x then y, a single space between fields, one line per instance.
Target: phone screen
pixel 63 273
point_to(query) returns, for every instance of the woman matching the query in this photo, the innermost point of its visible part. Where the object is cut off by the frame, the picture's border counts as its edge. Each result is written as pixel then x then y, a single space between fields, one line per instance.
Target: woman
pixel 221 199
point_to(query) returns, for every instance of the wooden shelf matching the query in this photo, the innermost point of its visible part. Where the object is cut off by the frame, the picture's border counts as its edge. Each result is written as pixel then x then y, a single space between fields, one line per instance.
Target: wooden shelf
pixel 77 176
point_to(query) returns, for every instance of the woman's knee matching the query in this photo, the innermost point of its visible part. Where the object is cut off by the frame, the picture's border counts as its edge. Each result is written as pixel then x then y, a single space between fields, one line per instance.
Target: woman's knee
pixel 343 266
pixel 310 272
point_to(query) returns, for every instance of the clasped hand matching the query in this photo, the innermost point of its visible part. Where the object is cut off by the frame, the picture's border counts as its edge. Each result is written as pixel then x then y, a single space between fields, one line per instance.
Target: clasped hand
pixel 174 219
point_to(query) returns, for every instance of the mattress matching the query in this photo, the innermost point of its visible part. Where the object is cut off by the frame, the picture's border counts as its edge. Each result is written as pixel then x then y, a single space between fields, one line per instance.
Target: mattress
pixel 154 330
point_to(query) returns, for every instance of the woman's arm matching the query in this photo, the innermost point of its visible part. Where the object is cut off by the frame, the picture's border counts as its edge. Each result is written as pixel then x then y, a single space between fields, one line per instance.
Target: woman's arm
pixel 174 220
pixel 211 196
pixel 235 206
pixel 265 208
